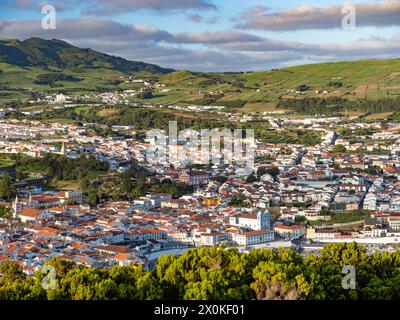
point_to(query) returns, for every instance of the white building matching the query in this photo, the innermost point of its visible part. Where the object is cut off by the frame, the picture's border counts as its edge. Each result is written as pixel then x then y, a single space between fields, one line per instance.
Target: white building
pixel 259 221
pixel 60 98
pixel 290 232
pixel 212 238
pixel 253 237
pixel 29 214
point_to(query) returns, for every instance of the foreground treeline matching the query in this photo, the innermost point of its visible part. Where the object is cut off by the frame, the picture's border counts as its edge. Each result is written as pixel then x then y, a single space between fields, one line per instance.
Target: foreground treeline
pixel 217 273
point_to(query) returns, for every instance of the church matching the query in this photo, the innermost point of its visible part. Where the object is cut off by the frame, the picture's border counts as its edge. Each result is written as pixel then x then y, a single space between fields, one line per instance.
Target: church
pixel 255 221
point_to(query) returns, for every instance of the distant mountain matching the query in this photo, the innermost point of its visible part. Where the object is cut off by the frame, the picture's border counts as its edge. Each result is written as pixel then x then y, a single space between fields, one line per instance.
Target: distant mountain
pixel 37 52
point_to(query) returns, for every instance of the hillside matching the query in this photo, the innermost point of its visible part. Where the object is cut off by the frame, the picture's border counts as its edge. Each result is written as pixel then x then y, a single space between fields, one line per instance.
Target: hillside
pixel 36 52
pixel 51 66
pixel 261 91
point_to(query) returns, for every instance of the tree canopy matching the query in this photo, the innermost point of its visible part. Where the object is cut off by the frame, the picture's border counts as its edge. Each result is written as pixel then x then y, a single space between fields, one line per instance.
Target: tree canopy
pixel 218 273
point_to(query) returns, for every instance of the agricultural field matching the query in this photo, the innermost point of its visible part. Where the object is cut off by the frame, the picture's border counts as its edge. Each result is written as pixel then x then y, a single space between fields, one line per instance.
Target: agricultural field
pixel 75 72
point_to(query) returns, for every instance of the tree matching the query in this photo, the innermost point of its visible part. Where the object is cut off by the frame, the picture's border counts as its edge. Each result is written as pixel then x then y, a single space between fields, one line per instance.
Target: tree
pixel 126 184
pixel 339 148
pixel 274 172
pixel 219 273
pixel 5 213
pixel 261 171
pixel 85 184
pixel 251 178
pixel 300 219
pixel 220 179
pixel 92 197
pixel 20 175
pixel 303 88
pixel 7 188
pixel 145 94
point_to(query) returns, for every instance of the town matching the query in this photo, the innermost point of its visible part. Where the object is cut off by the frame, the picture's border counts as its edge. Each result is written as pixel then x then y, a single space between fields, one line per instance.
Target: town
pixel 342 189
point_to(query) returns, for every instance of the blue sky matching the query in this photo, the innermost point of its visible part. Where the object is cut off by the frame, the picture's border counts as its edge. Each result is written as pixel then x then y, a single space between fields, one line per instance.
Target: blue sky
pixel 215 35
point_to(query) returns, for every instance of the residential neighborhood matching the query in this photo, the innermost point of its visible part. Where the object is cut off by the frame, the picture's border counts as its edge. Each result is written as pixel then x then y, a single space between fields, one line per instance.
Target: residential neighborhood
pixel 295 195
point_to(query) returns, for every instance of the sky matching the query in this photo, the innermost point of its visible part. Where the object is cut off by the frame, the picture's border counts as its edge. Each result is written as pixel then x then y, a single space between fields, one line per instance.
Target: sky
pixel 215 35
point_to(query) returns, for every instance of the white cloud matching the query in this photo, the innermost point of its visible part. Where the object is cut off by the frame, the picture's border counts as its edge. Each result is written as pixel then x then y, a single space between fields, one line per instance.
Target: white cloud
pixel 204 51
pixel 383 13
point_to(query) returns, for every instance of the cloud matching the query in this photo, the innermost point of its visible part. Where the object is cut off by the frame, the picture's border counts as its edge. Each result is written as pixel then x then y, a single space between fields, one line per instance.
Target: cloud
pixel 107 7
pixel 198 51
pixel 383 13
pixel 82 28
pixel 22 4
pixel 38 4
pixel 194 17
pixel 214 37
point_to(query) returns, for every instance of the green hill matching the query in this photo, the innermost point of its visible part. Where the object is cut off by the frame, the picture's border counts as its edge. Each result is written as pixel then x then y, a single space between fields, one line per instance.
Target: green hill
pixel 50 66
pixel 36 52
pixel 354 81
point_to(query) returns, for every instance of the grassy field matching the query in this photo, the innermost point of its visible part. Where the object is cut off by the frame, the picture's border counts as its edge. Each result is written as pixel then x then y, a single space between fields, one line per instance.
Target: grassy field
pixel 343 217
pixel 370 79
pixel 259 91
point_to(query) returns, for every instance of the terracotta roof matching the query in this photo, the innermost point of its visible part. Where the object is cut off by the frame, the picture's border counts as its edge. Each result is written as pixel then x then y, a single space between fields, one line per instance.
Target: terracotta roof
pixel 294 227
pixel 28 212
pixel 122 256
pixel 391 170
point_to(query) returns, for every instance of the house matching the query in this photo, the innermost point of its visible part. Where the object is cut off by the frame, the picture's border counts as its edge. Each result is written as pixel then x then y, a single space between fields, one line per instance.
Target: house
pixel 30 214
pixel 322 234
pixel 253 237
pixel 194 178
pixel 152 200
pixel 373 232
pixel 290 232
pixel 174 204
pixel 391 171
pixel 212 238
pixel 144 234
pixel 67 197
pixel 394 221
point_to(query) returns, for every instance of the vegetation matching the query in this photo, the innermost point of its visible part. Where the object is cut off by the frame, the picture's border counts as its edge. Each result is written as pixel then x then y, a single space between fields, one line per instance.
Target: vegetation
pixel 220 179
pixel 5 212
pixel 219 274
pixel 50 78
pixel 339 148
pixel 362 86
pixel 7 189
pixel 145 94
pixel 62 168
pixel 138 118
pixel 240 201
pixel 342 217
pixel 350 216
pixel 305 137
pixel 60 54
pixel 339 106
pixel 251 178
